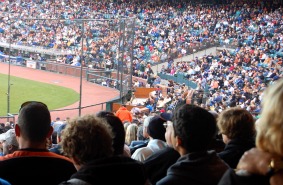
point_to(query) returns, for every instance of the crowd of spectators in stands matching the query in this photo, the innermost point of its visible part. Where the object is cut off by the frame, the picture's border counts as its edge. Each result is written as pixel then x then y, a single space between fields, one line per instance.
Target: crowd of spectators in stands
pixel 173 142
pixel 176 147
pixel 164 30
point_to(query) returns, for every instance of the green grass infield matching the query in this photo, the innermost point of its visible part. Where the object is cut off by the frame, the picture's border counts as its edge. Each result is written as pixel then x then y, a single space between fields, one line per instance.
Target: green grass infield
pixel 22 90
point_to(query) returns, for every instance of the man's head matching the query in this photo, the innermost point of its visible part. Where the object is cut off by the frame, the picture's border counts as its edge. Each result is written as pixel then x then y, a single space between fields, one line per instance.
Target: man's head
pixel 87 138
pixel 34 122
pixel 9 142
pixel 156 129
pixel 117 128
pixel 145 125
pixel 193 129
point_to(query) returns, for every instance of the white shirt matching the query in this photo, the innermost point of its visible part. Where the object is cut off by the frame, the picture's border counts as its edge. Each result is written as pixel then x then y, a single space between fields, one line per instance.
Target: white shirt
pixel 141 154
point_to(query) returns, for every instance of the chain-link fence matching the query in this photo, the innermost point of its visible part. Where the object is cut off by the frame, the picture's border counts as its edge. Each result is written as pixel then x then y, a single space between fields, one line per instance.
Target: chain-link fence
pixel 98 50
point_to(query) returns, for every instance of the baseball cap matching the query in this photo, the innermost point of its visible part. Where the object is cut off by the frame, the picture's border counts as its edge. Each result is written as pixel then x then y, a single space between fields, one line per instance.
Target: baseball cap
pixel 166 116
pixel 155 128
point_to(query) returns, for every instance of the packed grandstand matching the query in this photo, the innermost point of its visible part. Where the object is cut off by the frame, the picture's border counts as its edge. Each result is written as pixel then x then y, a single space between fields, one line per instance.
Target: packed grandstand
pixel 251 32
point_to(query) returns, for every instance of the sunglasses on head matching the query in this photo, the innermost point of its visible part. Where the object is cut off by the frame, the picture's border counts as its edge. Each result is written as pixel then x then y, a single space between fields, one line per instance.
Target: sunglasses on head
pixel 29 102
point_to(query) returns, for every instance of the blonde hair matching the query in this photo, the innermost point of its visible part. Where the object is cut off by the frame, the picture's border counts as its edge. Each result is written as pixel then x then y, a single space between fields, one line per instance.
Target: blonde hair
pixel 131 133
pixel 270 124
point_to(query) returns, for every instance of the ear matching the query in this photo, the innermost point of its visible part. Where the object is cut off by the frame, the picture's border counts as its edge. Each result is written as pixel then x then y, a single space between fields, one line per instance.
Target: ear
pixel 178 142
pixel 50 132
pixel 17 130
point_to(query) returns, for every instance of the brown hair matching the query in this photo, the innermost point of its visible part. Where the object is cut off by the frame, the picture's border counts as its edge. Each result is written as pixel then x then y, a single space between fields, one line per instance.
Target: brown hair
pixel 87 138
pixel 236 123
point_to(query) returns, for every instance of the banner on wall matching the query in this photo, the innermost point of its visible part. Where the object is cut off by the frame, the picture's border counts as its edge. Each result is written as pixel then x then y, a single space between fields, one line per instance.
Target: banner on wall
pixel 31 64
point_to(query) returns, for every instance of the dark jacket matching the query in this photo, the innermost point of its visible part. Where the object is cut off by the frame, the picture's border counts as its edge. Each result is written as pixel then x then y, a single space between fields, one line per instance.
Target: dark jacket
pixel 35 167
pixel 231 178
pixel 137 144
pixel 117 170
pixel 158 163
pixel 234 150
pixel 200 168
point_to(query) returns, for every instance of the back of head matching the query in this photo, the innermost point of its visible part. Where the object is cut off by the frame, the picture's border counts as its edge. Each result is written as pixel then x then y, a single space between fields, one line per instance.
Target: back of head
pixel 195 127
pixel 270 124
pixel 10 138
pixel 146 121
pixel 131 133
pixel 34 121
pixel 87 138
pixel 236 123
pixel 155 128
pixel 118 130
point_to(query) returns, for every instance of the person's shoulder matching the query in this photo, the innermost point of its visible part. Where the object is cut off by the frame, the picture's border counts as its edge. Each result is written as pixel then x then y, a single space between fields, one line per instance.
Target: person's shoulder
pixel 74 181
pixel 58 156
pixel 23 153
pixel 167 152
pixel 4 182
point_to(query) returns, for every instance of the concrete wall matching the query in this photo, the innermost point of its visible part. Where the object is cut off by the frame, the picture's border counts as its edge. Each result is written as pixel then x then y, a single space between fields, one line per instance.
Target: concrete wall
pixel 213 51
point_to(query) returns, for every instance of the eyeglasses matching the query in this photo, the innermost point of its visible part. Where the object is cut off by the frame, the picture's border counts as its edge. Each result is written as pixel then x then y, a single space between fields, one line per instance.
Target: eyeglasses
pixel 29 102
pixel 168 123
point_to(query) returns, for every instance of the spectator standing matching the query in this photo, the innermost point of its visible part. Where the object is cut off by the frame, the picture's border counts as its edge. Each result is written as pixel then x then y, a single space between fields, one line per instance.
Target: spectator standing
pixel 124 114
pixel 33 159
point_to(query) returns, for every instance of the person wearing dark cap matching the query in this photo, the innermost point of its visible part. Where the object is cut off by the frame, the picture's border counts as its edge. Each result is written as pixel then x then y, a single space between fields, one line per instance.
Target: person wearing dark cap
pixel 156 132
pixel 166 116
pixel 32 160
pixel 158 163
pixel 191 132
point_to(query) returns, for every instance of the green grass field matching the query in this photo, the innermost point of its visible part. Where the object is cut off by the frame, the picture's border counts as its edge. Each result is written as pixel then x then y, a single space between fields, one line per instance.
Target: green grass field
pixel 23 90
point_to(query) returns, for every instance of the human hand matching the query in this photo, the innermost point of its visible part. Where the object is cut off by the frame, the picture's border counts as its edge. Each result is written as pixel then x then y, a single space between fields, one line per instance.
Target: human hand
pixel 255 161
pixel 277 179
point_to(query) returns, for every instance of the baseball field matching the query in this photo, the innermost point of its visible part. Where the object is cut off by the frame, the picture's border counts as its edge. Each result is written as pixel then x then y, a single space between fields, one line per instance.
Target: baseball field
pixel 22 90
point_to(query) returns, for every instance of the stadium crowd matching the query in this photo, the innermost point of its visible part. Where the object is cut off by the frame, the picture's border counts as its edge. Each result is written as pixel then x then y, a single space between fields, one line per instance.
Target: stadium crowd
pixel 174 147
pixel 164 31
pixel 207 135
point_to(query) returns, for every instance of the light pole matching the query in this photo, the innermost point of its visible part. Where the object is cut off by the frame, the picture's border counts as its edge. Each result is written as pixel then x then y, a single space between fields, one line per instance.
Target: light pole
pixel 81 69
pixel 9 69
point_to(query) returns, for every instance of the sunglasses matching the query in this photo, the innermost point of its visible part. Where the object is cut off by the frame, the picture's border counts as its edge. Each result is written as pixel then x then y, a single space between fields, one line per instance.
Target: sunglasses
pixel 29 102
